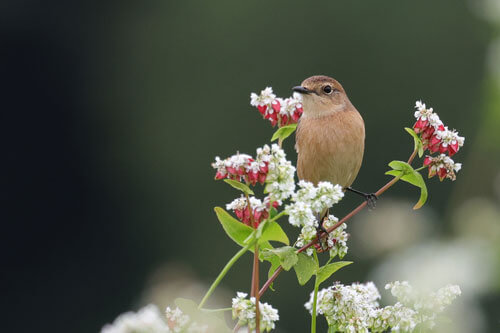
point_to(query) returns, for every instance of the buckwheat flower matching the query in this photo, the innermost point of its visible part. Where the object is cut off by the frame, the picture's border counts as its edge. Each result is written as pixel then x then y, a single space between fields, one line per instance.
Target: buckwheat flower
pixel 403 291
pixel 422 114
pixel 291 110
pixel 347 308
pixel 337 239
pixel 177 321
pixel 277 110
pixel 259 210
pixel 400 318
pixel 426 305
pixel 244 311
pixel 146 320
pixel 263 100
pixel 449 141
pixel 280 177
pixel 300 214
pixel 310 201
pixel 443 166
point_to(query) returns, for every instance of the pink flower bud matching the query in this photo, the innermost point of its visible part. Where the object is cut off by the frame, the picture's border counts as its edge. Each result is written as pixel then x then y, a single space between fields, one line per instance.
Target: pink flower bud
pixel 276 105
pixel 262 109
pixel 420 125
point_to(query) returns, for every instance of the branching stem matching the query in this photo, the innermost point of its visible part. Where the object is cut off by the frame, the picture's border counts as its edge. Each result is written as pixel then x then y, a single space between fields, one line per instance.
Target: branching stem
pixel 223 273
pixel 335 226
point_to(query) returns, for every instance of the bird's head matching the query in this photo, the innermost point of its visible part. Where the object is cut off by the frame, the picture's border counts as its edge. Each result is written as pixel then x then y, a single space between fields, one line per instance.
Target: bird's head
pixel 322 95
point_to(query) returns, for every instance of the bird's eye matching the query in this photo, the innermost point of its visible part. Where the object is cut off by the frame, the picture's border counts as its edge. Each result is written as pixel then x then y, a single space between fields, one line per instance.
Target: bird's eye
pixel 327 89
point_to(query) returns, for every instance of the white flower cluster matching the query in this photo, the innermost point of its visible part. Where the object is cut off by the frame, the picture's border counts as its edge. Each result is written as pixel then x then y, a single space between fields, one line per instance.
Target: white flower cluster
pixel 443 166
pixel 180 323
pixel 355 308
pixel 150 320
pixel 146 320
pixel 244 310
pixel 426 304
pixel 426 114
pixel 280 178
pixel 241 203
pixel 435 135
pixel 290 105
pixel 337 239
pixel 266 97
pixel 278 111
pixel 449 137
pixel 310 201
pixel 348 308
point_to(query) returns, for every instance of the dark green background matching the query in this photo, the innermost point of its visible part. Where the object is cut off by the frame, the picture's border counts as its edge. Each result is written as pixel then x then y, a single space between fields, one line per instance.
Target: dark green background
pixel 114 111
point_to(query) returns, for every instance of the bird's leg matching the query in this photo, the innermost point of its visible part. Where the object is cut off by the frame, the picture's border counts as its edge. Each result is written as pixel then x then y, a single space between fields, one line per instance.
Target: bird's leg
pixel 371 198
pixel 320 229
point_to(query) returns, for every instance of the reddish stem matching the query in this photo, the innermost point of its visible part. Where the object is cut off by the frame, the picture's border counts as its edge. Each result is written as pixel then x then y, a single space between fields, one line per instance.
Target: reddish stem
pixel 338 224
pixel 255 273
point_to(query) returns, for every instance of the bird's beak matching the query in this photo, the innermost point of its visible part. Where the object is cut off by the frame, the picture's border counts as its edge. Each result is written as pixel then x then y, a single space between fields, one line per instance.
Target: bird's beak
pixel 301 90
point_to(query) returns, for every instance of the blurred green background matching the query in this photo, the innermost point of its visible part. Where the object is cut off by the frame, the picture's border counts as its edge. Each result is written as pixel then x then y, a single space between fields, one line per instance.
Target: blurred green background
pixel 114 110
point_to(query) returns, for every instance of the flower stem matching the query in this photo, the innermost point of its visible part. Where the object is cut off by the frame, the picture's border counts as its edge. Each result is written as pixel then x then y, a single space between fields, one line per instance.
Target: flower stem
pixel 254 289
pixel 338 224
pixel 277 216
pixel 216 310
pixel 223 273
pixel 315 299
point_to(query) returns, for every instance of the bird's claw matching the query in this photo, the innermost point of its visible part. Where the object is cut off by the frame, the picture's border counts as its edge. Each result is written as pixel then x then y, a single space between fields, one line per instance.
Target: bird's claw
pixel 319 230
pixel 371 200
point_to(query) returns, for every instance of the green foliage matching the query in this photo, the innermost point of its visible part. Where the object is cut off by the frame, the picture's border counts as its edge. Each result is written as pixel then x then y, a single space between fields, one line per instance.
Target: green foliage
pixel 272 231
pixel 326 271
pixel 287 256
pixel 419 147
pixel 305 267
pixel 284 132
pixel 239 186
pixel 236 230
pixel 409 175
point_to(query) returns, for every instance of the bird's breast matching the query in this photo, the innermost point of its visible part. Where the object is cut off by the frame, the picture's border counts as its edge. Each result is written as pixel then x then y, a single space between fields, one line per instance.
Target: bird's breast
pixel 330 148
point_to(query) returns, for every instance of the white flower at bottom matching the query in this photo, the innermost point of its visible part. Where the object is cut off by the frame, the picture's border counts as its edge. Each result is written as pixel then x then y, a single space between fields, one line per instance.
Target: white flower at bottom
pixel 355 308
pixel 244 311
pixel 146 320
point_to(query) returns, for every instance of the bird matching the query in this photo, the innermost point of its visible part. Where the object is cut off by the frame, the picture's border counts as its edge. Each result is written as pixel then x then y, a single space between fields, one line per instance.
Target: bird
pixel 330 136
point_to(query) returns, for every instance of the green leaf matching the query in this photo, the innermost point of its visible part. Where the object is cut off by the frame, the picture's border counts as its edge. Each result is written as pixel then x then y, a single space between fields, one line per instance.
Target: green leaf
pixel 275 263
pixel 410 176
pixel 239 186
pixel 326 271
pixel 418 142
pixel 287 256
pixel 284 132
pixel 273 212
pixel 236 230
pixel 272 232
pixel 305 268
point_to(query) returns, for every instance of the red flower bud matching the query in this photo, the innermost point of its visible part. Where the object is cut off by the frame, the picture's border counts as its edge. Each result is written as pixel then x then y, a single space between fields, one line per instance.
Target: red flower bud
pixel 276 105
pixel 420 125
pixel 442 173
pixel 262 109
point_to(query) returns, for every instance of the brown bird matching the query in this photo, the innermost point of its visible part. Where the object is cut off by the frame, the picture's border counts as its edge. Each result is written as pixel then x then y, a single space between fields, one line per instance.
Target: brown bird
pixel 330 137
